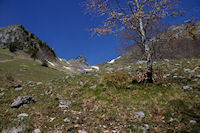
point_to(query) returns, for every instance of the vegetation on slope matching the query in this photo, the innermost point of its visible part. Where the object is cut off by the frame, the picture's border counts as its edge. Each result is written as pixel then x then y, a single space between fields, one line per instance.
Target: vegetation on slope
pixel 109 102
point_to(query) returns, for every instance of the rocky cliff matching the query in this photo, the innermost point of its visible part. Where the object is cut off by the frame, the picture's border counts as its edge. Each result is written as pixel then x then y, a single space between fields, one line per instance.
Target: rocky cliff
pixel 17 38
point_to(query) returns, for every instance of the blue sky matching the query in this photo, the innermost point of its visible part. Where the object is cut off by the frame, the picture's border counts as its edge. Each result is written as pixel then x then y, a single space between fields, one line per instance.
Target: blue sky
pixel 63 25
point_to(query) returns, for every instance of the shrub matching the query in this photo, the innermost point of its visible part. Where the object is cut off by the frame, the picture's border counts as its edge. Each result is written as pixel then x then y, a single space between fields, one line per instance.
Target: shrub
pixel 44 63
pixel 9 77
pixel 13 47
pixel 119 80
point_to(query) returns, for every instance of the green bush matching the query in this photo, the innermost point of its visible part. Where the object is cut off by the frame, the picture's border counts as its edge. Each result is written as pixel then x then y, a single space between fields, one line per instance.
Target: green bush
pixel 13 47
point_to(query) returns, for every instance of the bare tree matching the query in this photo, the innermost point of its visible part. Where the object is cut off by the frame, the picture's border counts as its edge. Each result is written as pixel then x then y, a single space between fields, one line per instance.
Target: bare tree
pixel 137 16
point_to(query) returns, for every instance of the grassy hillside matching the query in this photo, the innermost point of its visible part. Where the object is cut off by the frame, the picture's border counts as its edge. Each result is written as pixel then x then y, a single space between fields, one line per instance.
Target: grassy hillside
pixel 108 102
pixel 26 69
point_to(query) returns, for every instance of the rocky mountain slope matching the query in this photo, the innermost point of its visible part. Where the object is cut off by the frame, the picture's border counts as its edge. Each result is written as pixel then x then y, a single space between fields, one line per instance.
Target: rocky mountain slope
pixel 105 102
pixel 179 41
pixel 50 99
pixel 20 41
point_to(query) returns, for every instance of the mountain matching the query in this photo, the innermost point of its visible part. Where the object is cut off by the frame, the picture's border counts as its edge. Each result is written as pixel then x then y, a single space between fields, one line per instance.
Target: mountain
pixel 65 98
pixel 17 38
pixel 179 41
pixel 22 42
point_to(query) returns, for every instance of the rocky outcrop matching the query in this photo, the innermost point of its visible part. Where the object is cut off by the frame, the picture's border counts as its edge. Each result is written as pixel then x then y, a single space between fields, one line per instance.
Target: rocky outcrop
pixel 17 38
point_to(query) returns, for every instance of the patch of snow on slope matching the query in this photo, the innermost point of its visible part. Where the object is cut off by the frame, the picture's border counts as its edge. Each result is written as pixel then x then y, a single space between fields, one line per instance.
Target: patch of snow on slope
pixel 88 70
pixel 113 60
pixel 63 60
pixel 51 63
pixel 69 68
pixel 95 67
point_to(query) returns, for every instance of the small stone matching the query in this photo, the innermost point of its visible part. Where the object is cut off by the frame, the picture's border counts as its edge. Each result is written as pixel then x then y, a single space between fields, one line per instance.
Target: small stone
pixel 18 129
pixel 145 128
pixel 57 131
pixel 81 83
pixel 37 131
pixel 139 115
pixel 66 77
pixel 93 87
pixel 2 93
pixel 18 89
pixel 107 131
pixel 48 92
pixel 187 88
pixel 66 120
pixel 171 120
pixel 64 103
pixel 82 131
pixel 39 83
pixel 31 83
pixel 52 119
pixel 193 122
pixel 22 115
pixel 16 86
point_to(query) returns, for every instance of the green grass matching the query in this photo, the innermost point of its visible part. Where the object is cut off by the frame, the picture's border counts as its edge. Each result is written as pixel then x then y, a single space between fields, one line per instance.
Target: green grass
pixel 25 69
pixel 106 107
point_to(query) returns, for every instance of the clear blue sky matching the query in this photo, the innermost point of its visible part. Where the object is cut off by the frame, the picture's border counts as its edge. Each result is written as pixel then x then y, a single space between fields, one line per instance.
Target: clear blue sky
pixel 63 25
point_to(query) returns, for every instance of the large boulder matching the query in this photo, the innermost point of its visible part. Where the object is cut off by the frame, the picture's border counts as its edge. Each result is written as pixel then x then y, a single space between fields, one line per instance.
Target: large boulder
pixel 21 101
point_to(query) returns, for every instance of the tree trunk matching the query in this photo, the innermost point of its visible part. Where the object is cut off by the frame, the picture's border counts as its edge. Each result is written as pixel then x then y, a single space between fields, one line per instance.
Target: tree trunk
pixel 149 73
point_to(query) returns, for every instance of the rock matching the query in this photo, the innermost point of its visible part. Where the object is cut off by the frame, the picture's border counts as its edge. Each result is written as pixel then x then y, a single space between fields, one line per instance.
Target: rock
pixel 66 77
pixel 66 120
pixel 166 75
pixel 22 115
pixel 139 115
pixel 16 86
pixel 193 122
pixel 82 131
pixel 48 92
pixel 107 131
pixel 93 87
pixel 18 89
pixel 64 103
pixel 37 131
pixel 166 60
pixel 187 88
pixel 81 83
pixel 2 93
pixel 141 62
pixel 57 131
pixel 18 129
pixel 186 70
pixel 171 120
pixel 52 119
pixel 31 83
pixel 145 128
pixel 39 83
pixel 21 101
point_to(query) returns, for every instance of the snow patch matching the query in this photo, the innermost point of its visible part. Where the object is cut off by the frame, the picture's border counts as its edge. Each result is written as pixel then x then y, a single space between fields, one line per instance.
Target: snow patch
pixel 113 60
pixel 51 63
pixel 95 67
pixel 88 70
pixel 68 68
